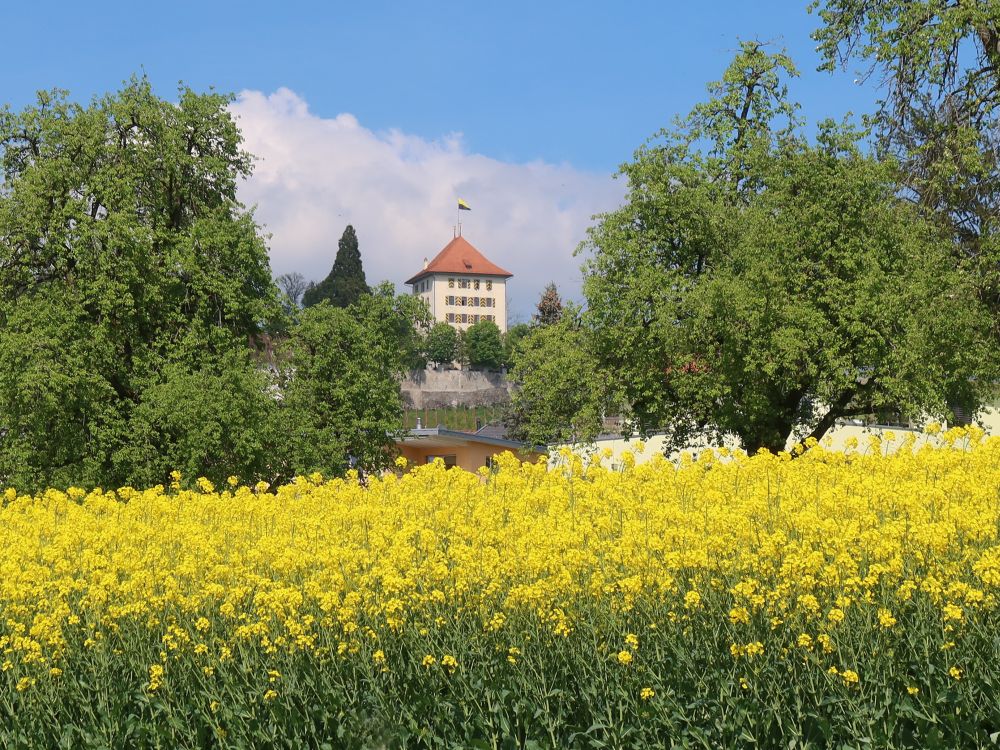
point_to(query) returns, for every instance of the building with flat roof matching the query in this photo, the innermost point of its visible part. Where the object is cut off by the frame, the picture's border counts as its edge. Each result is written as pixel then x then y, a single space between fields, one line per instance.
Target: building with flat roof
pixel 462 287
pixel 466 450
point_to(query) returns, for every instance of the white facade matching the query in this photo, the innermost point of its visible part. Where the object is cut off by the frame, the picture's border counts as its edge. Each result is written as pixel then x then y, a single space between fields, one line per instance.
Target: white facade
pixel 843 436
pixel 463 300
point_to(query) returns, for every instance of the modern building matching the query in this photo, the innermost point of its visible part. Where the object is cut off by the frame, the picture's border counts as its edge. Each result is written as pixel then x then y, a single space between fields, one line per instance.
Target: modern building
pixel 461 286
pixel 845 434
pixel 465 450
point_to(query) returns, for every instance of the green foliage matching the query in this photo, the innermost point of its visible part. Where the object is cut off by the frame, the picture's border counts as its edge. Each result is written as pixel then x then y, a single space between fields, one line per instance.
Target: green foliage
pixel 484 345
pixel 214 418
pixel 939 64
pixel 561 394
pixel 511 340
pixel 465 418
pixel 759 285
pixel 345 283
pixel 126 260
pixel 561 693
pixel 131 283
pixel 441 346
pixel 342 404
pixel 408 324
pixel 924 46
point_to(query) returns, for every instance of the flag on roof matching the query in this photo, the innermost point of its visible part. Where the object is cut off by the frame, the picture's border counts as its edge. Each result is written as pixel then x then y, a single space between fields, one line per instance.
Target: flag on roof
pixel 463 206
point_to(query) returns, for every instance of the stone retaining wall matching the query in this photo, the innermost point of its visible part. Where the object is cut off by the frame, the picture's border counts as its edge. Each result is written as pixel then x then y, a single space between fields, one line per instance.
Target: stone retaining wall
pixel 439 389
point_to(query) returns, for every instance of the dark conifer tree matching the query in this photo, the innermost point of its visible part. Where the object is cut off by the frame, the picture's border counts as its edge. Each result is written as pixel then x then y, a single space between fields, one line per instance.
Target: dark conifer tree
pixel 346 280
pixel 549 306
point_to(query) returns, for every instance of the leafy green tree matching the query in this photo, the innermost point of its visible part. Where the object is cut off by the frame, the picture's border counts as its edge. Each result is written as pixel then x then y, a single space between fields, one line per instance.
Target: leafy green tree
pixel 511 340
pixel 345 283
pixel 442 344
pixel 215 419
pixel 562 394
pixel 485 345
pixel 342 403
pixel 126 260
pixel 549 306
pixel 410 324
pixel 939 67
pixel 760 285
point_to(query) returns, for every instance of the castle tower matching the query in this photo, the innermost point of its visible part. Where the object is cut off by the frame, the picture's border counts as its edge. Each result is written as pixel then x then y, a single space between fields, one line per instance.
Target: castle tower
pixel 462 287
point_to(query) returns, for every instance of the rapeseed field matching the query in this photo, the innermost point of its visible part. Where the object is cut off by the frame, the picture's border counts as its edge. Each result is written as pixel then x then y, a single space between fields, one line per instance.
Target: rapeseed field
pixel 825 600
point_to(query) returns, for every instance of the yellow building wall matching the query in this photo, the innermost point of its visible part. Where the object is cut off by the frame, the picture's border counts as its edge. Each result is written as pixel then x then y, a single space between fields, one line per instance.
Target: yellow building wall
pixel 471 458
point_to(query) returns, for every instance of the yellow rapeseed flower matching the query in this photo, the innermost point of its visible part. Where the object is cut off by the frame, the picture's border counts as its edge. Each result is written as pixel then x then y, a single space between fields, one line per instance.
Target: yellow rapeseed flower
pixel 156 672
pixel 953 612
pixel 739 616
pixel 885 618
pixel 531 554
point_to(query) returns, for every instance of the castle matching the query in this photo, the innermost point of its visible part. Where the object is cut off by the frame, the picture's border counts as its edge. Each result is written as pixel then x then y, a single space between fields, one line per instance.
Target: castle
pixel 462 287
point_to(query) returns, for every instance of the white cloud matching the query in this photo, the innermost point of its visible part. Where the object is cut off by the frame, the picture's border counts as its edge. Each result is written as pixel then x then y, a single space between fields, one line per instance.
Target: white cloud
pixel 315 175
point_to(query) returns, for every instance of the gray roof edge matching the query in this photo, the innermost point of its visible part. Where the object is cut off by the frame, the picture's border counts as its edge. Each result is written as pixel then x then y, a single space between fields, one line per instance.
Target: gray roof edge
pixel 445 432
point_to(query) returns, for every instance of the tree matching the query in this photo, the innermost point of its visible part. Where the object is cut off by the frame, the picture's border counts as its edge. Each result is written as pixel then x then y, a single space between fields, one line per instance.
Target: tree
pixel 127 267
pixel 761 285
pixel 549 306
pixel 345 283
pixel 511 340
pixel 442 344
pixel 342 403
pixel 940 65
pixel 410 324
pixel 485 345
pixel 561 394
pixel 214 420
pixel 293 285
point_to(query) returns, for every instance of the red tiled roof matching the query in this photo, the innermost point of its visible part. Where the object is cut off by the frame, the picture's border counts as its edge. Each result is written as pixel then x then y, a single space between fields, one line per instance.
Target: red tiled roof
pixel 460 257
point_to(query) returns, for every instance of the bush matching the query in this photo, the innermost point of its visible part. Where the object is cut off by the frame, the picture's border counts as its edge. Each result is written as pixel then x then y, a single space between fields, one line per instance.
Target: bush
pixel 484 344
pixel 442 344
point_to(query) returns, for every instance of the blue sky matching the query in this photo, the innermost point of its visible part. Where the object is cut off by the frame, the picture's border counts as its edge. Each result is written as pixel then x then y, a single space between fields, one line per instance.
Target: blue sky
pixel 565 90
